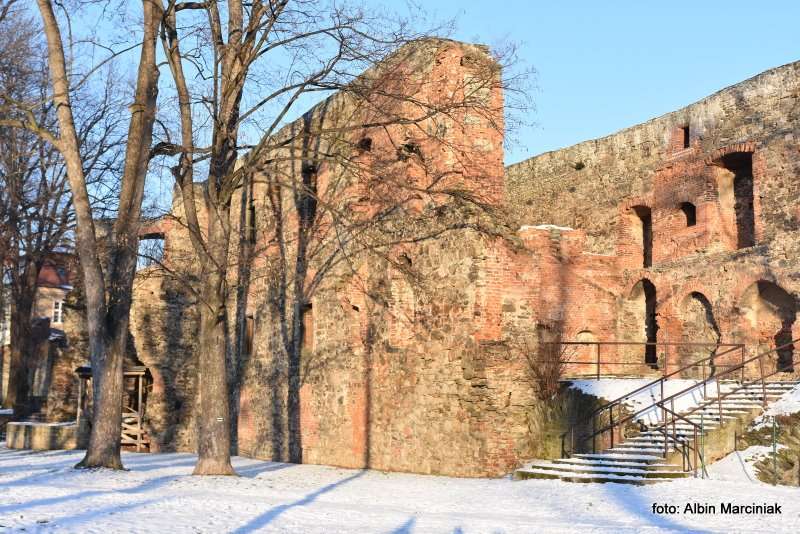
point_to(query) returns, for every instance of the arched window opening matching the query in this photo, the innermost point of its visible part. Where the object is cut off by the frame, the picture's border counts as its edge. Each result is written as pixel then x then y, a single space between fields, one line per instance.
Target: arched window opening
pixel 651 324
pixel 640 324
pixel 772 313
pixel 689 212
pixel 701 332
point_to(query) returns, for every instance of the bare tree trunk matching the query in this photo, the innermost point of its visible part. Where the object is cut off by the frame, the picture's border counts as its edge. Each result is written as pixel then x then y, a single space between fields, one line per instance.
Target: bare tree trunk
pixel 105 437
pixel 213 426
pixel 107 304
pixel 21 345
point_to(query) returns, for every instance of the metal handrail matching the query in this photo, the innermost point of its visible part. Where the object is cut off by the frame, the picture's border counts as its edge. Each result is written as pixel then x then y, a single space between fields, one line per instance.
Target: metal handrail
pixel 716 377
pixel 660 380
pixel 619 400
pixel 743 385
pixel 672 397
pixel 656 344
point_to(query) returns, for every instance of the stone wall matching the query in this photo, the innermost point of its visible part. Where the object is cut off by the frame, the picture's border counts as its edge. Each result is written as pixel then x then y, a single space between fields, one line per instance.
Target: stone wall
pixel 164 333
pixel 582 186
pixel 411 356
pixel 651 172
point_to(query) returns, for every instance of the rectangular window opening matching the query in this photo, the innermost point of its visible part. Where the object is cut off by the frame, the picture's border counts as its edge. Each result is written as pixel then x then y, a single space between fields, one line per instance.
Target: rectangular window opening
pixel 58 311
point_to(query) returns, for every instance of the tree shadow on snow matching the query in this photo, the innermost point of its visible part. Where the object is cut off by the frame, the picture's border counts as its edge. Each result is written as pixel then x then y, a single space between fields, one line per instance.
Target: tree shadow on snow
pixel 406 527
pixel 632 500
pixel 147 485
pixel 252 471
pixel 89 516
pixel 270 515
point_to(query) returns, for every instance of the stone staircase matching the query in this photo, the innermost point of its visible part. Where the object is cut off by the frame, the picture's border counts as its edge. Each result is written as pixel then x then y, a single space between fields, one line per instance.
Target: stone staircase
pixel 642 458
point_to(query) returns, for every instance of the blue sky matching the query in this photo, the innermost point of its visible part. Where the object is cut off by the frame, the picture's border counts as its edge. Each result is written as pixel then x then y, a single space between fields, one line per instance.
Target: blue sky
pixel 605 65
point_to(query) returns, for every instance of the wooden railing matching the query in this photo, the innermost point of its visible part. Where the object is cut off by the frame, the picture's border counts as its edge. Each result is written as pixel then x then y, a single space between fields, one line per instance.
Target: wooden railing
pixel 132 430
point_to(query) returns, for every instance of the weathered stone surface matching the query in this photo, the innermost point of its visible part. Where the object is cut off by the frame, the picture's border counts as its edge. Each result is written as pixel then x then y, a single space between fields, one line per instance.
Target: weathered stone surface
pixel 418 373
pixel 42 436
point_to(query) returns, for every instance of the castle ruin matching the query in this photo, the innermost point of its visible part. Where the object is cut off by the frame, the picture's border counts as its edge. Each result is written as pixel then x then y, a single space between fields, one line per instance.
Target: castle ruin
pixel 681 229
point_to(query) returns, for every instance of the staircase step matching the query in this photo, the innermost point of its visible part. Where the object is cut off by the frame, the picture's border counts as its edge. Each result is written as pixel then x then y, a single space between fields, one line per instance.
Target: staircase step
pixel 621 457
pixel 639 458
pixel 607 470
pixel 581 462
pixel 695 417
pixel 652 441
pixel 737 403
pixel 726 410
pixel 769 388
pixel 639 449
pixel 690 429
pixel 587 477
pixel 682 435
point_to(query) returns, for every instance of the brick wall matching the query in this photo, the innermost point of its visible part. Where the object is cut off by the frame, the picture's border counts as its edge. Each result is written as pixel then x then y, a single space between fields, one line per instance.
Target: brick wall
pixel 419 373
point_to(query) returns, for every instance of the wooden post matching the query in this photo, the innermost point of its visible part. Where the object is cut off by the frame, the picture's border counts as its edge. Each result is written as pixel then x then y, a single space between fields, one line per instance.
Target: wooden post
pixel 139 414
pixel 139 402
pixel 80 400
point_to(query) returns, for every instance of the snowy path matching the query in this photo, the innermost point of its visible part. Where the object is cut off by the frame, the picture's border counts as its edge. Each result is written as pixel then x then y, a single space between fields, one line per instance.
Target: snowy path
pixel 39 492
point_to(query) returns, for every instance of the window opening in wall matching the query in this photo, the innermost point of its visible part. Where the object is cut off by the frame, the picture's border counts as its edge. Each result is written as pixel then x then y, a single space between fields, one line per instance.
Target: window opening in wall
pixel 650 323
pixel 408 150
pixel 251 229
pixel 151 250
pixel 736 189
pixel 680 138
pixel 365 144
pixel 308 327
pixel 58 311
pixel 248 333
pixel 772 313
pixel 698 325
pixel 646 224
pixel 690 212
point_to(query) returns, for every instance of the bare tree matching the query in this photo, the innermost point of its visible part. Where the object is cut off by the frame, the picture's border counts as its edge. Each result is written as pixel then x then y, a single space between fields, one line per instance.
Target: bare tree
pixel 239 70
pixel 546 358
pixel 38 219
pixel 33 197
pixel 108 278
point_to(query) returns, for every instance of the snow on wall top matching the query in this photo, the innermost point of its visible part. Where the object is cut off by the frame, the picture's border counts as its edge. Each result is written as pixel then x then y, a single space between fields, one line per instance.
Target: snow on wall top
pixel 545 227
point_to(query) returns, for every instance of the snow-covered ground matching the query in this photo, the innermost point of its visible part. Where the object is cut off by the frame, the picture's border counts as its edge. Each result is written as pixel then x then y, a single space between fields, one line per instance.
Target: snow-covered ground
pixel 788 404
pixel 39 492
